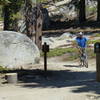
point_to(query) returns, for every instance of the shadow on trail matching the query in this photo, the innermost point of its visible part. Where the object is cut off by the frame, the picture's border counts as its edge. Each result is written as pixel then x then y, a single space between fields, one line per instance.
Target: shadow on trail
pixel 81 81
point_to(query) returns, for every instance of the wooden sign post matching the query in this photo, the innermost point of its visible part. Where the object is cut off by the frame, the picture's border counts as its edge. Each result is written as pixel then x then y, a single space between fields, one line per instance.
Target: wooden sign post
pixel 45 49
pixel 97 51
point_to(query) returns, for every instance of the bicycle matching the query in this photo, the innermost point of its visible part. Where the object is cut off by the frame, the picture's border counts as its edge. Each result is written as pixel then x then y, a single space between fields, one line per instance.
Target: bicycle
pixel 83 58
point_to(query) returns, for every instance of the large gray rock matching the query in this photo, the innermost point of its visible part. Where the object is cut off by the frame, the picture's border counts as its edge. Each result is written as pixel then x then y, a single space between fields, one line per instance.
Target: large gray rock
pixel 17 50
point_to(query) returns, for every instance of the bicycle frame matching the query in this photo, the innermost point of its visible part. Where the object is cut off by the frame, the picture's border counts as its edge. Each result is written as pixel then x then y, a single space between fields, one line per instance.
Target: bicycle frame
pixel 83 57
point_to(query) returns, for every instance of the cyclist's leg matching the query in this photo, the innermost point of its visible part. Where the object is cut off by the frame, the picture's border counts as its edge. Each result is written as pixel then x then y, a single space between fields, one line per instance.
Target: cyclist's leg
pixel 86 62
pixel 81 62
pixel 81 58
pixel 85 58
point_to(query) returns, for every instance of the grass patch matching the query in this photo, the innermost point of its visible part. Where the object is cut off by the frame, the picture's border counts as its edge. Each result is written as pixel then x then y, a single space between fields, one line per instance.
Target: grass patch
pixel 1 19
pixel 91 53
pixel 97 35
pixel 60 51
pixel 3 69
pixel 93 41
pixel 70 57
pixel 71 53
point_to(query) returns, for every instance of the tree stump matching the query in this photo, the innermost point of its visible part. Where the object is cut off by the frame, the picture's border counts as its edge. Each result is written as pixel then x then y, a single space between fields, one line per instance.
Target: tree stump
pixel 11 78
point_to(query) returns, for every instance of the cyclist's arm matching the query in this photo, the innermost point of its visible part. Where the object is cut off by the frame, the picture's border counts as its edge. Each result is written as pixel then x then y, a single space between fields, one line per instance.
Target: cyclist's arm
pixel 87 42
pixel 75 44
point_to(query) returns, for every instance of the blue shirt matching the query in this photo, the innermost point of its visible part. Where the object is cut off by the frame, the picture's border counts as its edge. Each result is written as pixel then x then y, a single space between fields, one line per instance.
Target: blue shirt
pixel 81 41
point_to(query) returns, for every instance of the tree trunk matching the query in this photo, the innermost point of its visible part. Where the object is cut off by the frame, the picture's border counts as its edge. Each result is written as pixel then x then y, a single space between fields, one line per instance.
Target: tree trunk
pixel 34 23
pixel 82 14
pixel 30 19
pixel 6 18
pixel 98 10
pixel 39 21
pixel 9 23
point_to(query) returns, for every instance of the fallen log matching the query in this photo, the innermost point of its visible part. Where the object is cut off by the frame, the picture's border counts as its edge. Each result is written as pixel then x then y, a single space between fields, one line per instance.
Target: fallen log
pixel 73 30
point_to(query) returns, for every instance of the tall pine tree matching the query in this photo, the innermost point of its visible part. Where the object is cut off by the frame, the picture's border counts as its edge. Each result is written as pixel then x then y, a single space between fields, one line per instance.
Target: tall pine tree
pixel 82 12
pixel 10 7
pixel 98 10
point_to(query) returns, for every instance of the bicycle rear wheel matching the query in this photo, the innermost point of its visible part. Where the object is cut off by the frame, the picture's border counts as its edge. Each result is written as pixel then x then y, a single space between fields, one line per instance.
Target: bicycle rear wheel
pixel 83 60
pixel 86 63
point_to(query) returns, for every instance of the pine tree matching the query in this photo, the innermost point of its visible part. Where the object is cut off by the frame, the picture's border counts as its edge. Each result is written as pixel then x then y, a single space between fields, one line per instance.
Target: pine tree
pixel 10 7
pixel 98 10
pixel 82 12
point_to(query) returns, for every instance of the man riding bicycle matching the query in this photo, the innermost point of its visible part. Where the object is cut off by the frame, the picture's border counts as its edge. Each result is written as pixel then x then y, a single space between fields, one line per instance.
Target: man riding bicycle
pixel 81 44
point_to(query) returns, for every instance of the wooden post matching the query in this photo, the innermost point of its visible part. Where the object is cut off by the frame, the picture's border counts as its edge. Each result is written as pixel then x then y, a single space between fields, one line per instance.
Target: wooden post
pixel 97 51
pixel 45 49
pixel 98 67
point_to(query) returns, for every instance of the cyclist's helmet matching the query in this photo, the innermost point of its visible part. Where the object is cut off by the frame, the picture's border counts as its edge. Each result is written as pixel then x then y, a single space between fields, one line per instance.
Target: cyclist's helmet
pixel 80 34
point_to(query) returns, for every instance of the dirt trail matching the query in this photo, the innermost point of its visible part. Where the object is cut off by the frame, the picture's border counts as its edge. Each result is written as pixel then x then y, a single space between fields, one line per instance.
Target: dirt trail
pixel 65 81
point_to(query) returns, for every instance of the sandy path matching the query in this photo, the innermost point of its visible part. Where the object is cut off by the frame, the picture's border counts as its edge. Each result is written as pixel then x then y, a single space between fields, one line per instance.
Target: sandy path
pixel 66 81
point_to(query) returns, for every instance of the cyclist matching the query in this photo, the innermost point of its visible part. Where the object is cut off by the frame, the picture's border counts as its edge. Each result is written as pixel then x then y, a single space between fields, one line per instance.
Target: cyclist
pixel 81 44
